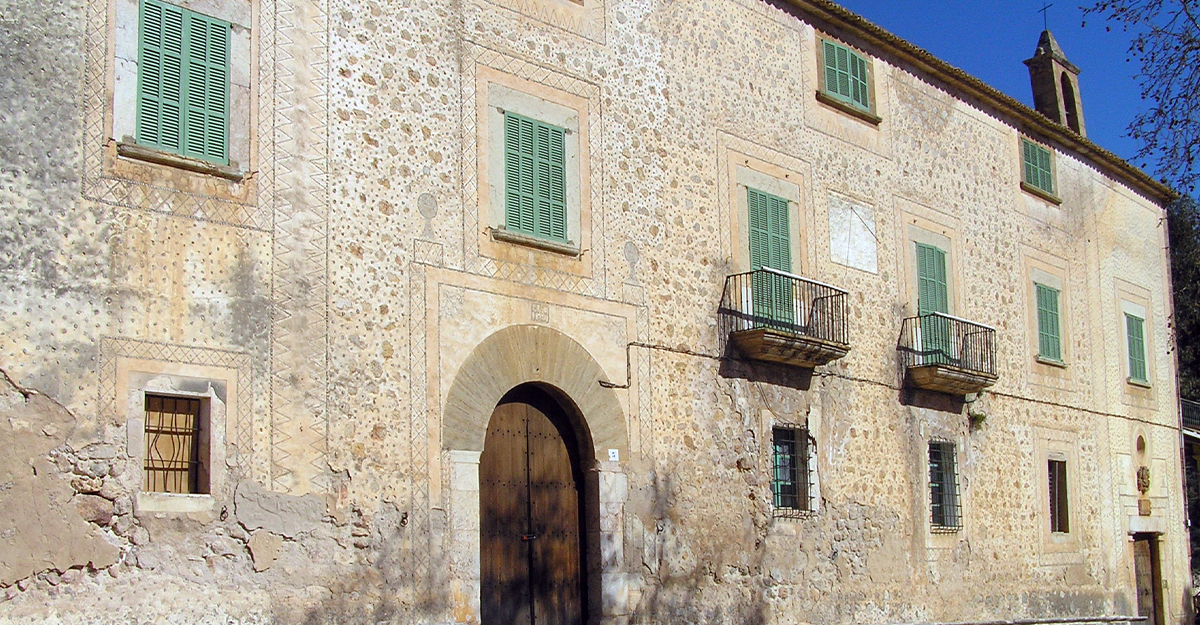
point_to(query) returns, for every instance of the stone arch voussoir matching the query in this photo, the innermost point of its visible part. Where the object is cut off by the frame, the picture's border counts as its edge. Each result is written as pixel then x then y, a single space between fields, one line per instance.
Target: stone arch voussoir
pixel 531 353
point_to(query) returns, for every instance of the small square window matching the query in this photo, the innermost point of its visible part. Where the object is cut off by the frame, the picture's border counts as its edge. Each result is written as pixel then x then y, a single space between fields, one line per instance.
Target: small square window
pixel 1135 337
pixel 1059 513
pixel 791 483
pixel 534 178
pixel 174 459
pixel 943 488
pixel 1037 172
pixel 183 82
pixel 1049 341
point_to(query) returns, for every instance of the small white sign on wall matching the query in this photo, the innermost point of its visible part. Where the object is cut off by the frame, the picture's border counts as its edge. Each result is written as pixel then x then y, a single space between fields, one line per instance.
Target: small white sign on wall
pixel 614 455
pixel 852 240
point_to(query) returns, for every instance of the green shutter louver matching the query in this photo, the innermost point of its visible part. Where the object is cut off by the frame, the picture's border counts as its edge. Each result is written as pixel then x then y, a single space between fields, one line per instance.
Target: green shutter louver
pixel 846 76
pixel 933 296
pixel 1135 335
pixel 1049 341
pixel 770 246
pixel 933 293
pixel 1037 171
pixel 535 179
pixel 183 82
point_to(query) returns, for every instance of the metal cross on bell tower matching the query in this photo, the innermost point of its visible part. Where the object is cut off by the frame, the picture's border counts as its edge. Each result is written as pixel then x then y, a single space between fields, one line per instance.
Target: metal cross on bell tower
pixel 1045 11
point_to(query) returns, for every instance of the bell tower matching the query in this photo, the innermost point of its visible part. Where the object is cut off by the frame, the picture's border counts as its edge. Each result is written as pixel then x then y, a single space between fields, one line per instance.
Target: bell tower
pixel 1055 82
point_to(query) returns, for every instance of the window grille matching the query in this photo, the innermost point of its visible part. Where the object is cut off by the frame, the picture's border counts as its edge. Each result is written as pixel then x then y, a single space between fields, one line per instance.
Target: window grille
pixel 1037 171
pixel 943 487
pixel 791 480
pixel 173 463
pixel 1059 516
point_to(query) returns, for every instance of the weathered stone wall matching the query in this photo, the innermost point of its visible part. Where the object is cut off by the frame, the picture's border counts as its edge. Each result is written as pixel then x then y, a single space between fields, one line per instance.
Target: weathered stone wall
pixel 337 305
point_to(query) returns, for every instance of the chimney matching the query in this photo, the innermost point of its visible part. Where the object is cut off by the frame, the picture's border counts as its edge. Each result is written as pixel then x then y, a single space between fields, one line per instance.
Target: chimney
pixel 1055 84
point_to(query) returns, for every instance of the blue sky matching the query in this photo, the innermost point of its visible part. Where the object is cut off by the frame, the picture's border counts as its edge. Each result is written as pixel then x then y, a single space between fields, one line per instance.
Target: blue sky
pixel 990 38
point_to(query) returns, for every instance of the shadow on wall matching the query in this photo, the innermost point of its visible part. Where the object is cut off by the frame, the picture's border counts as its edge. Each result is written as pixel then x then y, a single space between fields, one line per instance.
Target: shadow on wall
pixel 397 577
pixel 681 590
pixel 735 365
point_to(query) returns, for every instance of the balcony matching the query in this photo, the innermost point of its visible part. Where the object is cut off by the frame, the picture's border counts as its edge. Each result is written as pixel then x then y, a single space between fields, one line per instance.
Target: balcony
pixel 775 316
pixel 948 354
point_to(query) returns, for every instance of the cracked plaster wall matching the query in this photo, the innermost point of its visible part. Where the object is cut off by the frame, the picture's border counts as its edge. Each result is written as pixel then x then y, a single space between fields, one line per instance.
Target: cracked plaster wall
pixel 327 278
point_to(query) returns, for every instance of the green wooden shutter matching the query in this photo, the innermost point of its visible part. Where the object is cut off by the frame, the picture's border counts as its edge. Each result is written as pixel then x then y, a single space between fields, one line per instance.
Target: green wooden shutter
pixel 770 246
pixel 1047 178
pixel 1038 170
pixel 831 68
pixel 858 81
pixel 160 76
pixel 1030 161
pixel 846 75
pixel 207 88
pixel 1134 332
pixel 183 82
pixel 552 213
pixel 933 295
pixel 535 197
pixel 1049 342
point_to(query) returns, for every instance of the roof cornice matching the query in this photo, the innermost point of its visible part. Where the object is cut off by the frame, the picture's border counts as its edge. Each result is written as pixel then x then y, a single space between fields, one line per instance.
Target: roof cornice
pixel 1027 120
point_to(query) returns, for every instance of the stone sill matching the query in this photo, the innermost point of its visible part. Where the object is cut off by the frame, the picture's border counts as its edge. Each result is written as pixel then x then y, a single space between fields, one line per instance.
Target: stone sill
pixel 866 116
pixel 1138 383
pixel 566 249
pixel 1049 197
pixel 795 516
pixel 173 503
pixel 1051 362
pixel 159 157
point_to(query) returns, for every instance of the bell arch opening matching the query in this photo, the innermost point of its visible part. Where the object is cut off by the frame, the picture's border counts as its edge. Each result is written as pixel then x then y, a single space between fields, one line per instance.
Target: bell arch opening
pixel 1069 103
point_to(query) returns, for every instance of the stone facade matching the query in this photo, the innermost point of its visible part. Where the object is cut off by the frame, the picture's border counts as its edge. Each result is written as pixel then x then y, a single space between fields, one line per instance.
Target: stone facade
pixel 344 303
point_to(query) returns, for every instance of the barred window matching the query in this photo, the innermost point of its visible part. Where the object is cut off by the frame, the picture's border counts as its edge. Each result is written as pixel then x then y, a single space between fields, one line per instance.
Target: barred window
pixel 1059 514
pixel 791 480
pixel 173 462
pixel 943 487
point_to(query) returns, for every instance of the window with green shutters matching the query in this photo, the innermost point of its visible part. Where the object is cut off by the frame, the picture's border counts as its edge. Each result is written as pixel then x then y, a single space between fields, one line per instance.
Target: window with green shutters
pixel 770 246
pixel 535 179
pixel 183 82
pixel 933 296
pixel 1049 343
pixel 1038 171
pixel 1134 334
pixel 846 76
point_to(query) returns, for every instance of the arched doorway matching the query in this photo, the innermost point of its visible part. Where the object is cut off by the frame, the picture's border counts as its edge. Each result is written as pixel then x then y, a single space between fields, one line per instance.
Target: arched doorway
pixel 531 503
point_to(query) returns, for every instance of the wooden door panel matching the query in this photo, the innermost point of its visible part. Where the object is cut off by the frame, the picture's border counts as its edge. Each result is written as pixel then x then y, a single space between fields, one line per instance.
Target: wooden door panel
pixel 554 506
pixel 503 513
pixel 530 540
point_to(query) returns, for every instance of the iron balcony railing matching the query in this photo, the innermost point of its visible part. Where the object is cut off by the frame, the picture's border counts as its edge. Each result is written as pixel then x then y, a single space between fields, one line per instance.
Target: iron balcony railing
pixel 769 298
pixel 941 339
pixel 1191 414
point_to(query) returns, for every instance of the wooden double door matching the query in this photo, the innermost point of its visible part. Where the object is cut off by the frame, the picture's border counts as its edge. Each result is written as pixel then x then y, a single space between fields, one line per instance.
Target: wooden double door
pixel 531 515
